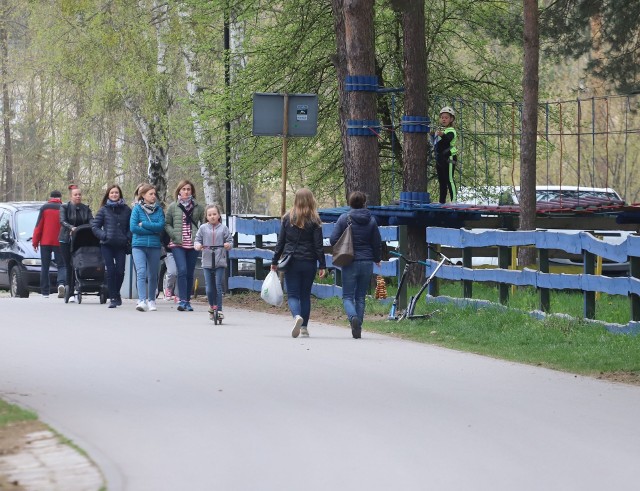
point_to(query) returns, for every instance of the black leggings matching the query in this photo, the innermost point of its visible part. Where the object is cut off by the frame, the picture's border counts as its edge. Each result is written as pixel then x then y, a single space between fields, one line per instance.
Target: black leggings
pixel 445 171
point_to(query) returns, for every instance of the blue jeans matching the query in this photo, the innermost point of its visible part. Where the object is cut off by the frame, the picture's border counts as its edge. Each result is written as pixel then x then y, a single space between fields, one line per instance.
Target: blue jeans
pixel 214 286
pixel 299 279
pixel 186 264
pixel 356 278
pixel 45 264
pixel 147 262
pixel 114 261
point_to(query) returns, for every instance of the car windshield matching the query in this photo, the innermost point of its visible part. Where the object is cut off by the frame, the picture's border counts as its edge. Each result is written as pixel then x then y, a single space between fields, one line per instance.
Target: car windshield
pixel 553 195
pixel 25 223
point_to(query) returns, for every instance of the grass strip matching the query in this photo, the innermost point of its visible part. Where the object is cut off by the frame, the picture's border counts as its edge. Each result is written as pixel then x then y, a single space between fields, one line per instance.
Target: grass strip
pixel 10 413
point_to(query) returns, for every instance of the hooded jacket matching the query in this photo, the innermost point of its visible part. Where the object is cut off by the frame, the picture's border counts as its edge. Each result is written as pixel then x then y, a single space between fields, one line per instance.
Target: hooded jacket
pixel 218 235
pixel 367 243
pixel 47 227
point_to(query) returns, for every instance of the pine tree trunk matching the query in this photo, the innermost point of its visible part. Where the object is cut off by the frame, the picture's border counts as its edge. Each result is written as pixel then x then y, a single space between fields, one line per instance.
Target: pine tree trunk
pixel 529 126
pixel 340 64
pixel 362 171
pixel 415 104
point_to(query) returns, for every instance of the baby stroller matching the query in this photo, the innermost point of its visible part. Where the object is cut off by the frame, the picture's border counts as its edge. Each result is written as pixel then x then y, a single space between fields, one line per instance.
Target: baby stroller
pixel 88 266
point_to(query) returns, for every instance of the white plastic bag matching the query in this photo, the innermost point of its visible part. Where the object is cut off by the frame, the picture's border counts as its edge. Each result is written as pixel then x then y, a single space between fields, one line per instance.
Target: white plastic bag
pixel 272 290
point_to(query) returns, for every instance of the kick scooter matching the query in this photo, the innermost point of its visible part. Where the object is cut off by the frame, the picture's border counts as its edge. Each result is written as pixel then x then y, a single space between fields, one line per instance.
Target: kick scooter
pixel 215 315
pixel 409 312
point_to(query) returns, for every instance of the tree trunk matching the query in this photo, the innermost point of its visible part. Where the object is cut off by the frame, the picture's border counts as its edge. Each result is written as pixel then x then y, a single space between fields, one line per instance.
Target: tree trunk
pixel 529 126
pixel 362 171
pixel 6 106
pixel 415 104
pixel 340 64
pixel 209 176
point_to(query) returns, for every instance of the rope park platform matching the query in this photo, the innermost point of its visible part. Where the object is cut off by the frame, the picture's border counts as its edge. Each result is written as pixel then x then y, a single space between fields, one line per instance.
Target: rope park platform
pixel 582 213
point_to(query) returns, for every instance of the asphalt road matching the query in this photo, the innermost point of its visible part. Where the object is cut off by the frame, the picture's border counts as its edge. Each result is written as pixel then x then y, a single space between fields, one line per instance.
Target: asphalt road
pixel 167 401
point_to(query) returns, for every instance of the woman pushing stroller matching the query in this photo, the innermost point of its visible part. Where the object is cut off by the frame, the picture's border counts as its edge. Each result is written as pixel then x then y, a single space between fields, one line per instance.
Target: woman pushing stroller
pixel 72 214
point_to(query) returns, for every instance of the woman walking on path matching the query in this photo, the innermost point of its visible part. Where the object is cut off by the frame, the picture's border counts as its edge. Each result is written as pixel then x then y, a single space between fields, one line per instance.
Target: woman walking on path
pixel 146 224
pixel 111 226
pixel 214 239
pixel 72 214
pixel 301 237
pixel 367 249
pixel 184 216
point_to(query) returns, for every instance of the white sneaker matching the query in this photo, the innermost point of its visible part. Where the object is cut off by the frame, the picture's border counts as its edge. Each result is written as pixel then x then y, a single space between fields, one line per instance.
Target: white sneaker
pixel 60 291
pixel 304 332
pixel 142 306
pixel 72 299
pixel 152 306
pixel 296 326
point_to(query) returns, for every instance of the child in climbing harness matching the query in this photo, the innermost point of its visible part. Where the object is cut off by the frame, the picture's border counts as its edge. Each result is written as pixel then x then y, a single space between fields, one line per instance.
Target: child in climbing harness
pixel 446 154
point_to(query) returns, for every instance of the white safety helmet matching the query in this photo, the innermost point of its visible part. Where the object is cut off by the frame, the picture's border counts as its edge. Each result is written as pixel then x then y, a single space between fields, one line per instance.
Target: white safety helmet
pixel 447 109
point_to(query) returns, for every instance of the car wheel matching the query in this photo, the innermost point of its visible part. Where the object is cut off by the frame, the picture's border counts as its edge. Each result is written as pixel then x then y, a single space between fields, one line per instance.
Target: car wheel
pixel 18 283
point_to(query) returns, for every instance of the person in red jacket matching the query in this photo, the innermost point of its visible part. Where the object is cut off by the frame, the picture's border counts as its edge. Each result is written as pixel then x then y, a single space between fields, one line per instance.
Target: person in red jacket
pixel 45 237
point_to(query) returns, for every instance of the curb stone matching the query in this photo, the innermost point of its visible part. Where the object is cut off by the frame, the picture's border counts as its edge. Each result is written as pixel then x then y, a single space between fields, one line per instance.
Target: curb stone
pixel 44 463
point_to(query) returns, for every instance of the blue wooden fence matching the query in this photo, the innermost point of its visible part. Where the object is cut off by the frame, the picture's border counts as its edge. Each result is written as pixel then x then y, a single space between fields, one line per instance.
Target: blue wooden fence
pixel 577 243
pixel 574 243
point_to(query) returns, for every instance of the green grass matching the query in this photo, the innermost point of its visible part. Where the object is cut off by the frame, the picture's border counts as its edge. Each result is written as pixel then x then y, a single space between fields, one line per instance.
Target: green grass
pixel 10 413
pixel 568 344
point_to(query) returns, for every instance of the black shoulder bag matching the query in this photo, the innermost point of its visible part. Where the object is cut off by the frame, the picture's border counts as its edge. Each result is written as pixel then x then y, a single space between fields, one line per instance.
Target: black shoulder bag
pixel 285 260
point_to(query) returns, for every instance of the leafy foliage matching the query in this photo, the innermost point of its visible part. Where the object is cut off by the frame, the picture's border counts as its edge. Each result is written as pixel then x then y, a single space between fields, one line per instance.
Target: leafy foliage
pixel 606 30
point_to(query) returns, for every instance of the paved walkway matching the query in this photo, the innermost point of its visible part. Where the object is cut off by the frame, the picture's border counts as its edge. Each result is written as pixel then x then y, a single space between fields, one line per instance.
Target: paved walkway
pixel 168 401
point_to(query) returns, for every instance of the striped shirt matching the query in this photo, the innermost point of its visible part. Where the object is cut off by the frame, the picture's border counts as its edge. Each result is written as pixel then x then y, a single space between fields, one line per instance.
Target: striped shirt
pixel 187 241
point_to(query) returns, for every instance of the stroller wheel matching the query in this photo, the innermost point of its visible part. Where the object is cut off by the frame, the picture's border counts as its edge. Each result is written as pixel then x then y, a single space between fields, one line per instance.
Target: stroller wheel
pixel 66 294
pixel 79 297
pixel 103 296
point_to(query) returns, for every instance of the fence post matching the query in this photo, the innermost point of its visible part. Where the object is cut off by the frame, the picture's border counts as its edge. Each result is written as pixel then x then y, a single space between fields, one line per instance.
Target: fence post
pixel 259 261
pixel 635 299
pixel 545 298
pixel 504 259
pixel 589 297
pixel 467 262
pixel 403 243
pixel 234 262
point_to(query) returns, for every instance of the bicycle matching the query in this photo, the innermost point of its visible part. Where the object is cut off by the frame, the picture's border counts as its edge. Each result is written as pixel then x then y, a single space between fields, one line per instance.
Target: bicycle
pixel 214 314
pixel 409 312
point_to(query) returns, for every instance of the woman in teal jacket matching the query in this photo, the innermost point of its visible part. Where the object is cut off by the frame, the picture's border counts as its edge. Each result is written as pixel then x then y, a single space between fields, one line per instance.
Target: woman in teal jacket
pixel 147 223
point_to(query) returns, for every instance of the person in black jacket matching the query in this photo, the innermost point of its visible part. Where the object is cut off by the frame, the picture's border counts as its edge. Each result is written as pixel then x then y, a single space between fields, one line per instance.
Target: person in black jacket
pixel 72 215
pixel 111 226
pixel 367 249
pixel 301 237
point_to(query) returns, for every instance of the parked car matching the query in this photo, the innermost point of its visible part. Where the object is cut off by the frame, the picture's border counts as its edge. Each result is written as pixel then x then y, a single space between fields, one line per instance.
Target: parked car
pixel 509 195
pixel 19 263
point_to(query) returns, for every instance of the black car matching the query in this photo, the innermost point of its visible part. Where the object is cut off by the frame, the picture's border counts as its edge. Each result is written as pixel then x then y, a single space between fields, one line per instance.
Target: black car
pixel 19 263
